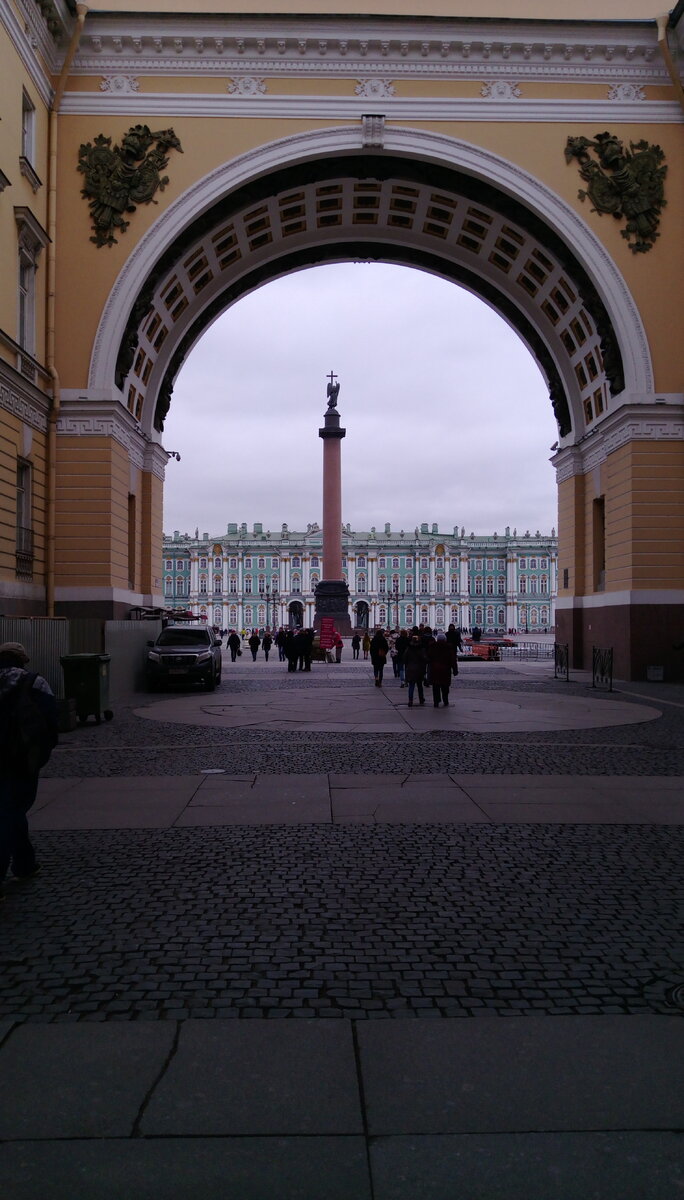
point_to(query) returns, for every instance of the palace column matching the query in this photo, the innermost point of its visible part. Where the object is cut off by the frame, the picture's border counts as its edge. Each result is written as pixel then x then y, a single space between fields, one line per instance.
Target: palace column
pixel 332 593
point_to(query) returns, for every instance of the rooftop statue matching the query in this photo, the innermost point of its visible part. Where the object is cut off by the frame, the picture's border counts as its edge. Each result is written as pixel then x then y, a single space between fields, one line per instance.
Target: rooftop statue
pixel 333 391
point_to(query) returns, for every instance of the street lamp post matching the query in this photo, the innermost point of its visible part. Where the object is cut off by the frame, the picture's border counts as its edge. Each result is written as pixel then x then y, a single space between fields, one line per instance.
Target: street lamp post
pixel 271 594
pixel 397 596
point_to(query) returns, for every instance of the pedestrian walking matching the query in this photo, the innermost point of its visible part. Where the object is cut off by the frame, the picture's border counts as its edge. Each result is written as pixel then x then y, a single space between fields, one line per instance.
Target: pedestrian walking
pixel 355 645
pixel 266 643
pixel 379 648
pixel 401 646
pixel 280 643
pixel 254 643
pixel 291 650
pixel 339 646
pixel 234 645
pixel 28 733
pixel 453 636
pixel 415 660
pixel 440 659
pixel 366 644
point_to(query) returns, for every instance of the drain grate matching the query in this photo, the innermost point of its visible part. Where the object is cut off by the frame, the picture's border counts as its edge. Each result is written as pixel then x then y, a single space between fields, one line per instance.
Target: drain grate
pixel 675 997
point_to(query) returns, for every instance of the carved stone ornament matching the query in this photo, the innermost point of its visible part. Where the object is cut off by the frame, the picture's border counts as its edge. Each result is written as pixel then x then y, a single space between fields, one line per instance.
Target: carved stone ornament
pixel 626 92
pixel 499 89
pixel 375 89
pixel 120 85
pixel 247 85
pixel 627 183
pixel 119 178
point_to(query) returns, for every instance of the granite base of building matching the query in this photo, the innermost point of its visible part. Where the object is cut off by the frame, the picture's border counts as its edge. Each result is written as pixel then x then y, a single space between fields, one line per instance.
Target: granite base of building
pixel 643 637
pixel 332 600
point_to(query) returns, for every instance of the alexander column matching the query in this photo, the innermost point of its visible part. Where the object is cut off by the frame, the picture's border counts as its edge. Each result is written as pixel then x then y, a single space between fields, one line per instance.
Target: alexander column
pixel 332 593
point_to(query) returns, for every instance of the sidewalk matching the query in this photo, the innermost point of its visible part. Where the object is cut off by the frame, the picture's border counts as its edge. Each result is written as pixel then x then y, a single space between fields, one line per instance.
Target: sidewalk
pixel 420 911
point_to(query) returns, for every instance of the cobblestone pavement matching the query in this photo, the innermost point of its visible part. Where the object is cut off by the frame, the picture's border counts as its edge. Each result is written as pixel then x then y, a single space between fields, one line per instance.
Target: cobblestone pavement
pixel 365 922
pixel 129 745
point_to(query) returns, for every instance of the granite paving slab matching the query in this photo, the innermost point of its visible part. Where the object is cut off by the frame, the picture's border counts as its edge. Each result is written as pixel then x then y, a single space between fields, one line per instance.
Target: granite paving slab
pixel 256 1079
pixel 79 1080
pixel 537 1075
pixel 540 1166
pixel 254 1168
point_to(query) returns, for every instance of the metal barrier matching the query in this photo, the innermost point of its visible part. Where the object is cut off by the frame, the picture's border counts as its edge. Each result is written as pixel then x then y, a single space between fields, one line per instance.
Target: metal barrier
pixel 45 639
pixel 602 668
pixel 561 661
pixel 528 651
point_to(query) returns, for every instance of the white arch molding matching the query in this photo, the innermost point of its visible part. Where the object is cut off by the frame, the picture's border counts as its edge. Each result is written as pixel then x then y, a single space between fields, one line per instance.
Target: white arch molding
pixel 423 146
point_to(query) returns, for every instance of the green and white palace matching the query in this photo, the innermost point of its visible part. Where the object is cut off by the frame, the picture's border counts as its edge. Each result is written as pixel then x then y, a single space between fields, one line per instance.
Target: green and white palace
pixel 246 579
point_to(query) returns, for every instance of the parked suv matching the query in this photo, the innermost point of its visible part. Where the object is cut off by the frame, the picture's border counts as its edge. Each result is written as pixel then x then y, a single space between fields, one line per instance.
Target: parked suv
pixel 184 653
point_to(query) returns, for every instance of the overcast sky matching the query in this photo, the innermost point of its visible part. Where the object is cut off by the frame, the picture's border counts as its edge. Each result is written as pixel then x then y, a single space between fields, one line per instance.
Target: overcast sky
pixel 448 418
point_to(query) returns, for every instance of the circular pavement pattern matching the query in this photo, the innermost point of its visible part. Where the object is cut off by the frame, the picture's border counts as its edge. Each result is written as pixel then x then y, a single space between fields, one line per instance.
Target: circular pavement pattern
pixel 373 710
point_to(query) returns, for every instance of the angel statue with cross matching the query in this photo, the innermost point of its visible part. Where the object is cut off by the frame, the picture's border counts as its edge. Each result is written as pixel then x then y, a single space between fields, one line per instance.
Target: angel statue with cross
pixel 333 390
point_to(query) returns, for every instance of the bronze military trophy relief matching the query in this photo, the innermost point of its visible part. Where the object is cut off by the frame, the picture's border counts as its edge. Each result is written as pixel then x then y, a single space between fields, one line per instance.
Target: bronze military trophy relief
pixel 627 183
pixel 119 178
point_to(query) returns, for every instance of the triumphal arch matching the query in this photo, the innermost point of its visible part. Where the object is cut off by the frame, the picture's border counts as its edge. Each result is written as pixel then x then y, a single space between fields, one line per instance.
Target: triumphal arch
pixel 157 162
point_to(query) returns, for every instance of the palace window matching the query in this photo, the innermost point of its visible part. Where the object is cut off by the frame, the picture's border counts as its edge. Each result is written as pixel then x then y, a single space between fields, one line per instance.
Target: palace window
pixel 543 564
pixel 296 561
pixel 248 615
pixel 439 562
pixel 248 585
pixel 203 564
pixel 490 616
pixel 395 563
pixel 424 615
pixel 203 585
pixel 479 616
pixel 454 615
pixel 261 564
pixel 28 127
pixel 490 586
pixel 523 564
pixel 490 564
pixel 361 583
pixel 262 615
pixel 32 239
pixel 439 583
pixel 454 583
pixel 478 586
pixel 543 584
pixel 262 582
pixel 533 585
pixel 232 614
pixel 248 562
pixel 423 564
pixel 217 584
pixel 296 583
pixel 501 565
pixel 408 584
pixel 169 564
pixel 478 564
pixel 274 564
pixel 314 561
pixel 314 580
pixel 395 583
pixel 533 564
pixel 233 564
pixel 439 615
pixel 409 614
pixel 424 584
pixel 217 564
pixel 501 585
pixel 501 616
pixel 168 587
pixel 409 562
pixel 180 587
pixel 381 562
pixel 274 583
pixel 382 615
pixel 232 586
pixel 382 584
pixel 360 562
pixel 523 586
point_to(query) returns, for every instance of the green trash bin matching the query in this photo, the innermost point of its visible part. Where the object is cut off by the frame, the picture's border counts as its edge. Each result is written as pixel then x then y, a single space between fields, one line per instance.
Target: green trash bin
pixel 86 682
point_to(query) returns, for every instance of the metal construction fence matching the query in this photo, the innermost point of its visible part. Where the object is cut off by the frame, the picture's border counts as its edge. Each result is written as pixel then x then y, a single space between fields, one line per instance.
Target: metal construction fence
pixel 528 651
pixel 602 668
pixel 561 661
pixel 48 638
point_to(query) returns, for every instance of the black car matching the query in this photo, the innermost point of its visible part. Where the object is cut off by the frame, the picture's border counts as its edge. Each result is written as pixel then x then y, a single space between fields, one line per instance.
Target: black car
pixel 184 654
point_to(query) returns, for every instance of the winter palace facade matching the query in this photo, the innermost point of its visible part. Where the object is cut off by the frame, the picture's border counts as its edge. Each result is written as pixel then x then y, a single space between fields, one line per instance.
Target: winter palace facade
pixel 252 579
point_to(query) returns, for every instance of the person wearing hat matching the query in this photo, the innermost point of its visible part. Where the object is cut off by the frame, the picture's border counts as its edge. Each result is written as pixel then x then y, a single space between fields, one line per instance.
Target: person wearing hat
pixel 441 661
pixel 27 710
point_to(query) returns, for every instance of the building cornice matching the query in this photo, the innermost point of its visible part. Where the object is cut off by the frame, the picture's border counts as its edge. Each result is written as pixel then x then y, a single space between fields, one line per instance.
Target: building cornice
pixel 427 48
pixel 657 422
pixel 30 40
pixel 354 107
pixel 20 398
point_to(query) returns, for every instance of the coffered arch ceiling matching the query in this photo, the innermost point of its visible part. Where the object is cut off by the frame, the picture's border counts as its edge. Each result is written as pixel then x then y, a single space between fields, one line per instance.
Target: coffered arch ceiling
pixel 390 208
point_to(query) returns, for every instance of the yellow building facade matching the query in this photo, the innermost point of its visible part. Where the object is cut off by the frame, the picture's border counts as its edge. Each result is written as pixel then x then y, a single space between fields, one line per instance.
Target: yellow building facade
pixel 158 163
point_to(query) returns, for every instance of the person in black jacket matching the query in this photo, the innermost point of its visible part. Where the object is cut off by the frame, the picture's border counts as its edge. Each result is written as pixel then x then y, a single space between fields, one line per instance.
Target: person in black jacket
pixel 233 644
pixel 254 642
pixel 379 649
pixel 24 698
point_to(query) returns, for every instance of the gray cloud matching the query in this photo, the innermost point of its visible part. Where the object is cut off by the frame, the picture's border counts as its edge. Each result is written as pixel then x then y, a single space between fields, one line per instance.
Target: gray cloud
pixel 447 415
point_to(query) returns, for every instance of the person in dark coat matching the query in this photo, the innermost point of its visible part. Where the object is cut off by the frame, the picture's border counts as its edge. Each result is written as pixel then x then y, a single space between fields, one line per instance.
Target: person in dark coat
pixel 291 650
pixel 415 660
pixel 440 660
pixel 356 645
pixel 453 636
pixel 280 643
pixel 254 643
pixel 19 766
pixel 233 644
pixel 401 646
pixel 266 643
pixel 379 649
